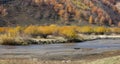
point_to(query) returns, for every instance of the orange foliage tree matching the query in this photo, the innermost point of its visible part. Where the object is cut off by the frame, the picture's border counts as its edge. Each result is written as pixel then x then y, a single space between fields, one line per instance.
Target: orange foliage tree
pixel 91 19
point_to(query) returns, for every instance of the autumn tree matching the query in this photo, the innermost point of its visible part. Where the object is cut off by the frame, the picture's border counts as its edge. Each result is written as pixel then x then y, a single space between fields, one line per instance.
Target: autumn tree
pixel 77 14
pixel 94 9
pixel 91 19
pixel 38 1
pixel 118 24
pixel 110 22
pixel 102 20
pixel 91 4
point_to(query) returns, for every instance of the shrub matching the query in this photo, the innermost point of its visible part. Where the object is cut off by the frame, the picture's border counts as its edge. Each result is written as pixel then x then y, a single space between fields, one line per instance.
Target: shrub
pixel 41 30
pixel 14 31
pixel 3 29
pixel 85 29
pixel 47 30
pixel 68 32
pixel 31 30
pixel 54 29
pixel 19 29
pixel 100 30
pixel 115 30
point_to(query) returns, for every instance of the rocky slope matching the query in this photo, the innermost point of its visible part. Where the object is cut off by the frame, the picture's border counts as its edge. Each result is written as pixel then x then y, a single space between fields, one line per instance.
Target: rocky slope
pixel 79 12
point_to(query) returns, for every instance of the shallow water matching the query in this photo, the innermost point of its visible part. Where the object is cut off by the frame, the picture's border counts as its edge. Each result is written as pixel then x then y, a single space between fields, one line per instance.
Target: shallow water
pixel 88 47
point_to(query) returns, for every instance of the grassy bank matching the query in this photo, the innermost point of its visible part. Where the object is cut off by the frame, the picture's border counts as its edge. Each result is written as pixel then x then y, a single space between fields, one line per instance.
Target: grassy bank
pixel 22 35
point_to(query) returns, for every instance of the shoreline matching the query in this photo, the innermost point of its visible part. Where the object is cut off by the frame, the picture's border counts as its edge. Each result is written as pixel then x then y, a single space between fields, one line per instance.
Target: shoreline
pixel 84 38
pixel 53 39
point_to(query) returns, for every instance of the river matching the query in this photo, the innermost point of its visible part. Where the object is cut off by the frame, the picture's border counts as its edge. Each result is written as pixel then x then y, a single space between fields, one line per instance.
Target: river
pixel 40 51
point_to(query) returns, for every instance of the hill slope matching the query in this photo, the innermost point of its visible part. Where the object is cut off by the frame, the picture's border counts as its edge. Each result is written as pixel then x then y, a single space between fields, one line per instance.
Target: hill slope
pixel 80 12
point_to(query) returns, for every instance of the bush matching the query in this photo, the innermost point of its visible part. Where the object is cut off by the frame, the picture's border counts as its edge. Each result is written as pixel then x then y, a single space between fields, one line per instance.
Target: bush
pixel 85 29
pixel 31 30
pixel 3 29
pixel 46 30
pixel 68 32
pixel 14 31
pixel 115 30
pixel 100 30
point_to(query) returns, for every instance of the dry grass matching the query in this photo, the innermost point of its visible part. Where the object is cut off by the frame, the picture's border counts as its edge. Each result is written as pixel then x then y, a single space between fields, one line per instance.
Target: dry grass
pixel 11 40
pixel 110 60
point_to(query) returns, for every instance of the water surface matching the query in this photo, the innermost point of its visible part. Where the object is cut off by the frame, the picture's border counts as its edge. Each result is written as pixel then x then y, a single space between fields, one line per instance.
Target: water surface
pixel 88 47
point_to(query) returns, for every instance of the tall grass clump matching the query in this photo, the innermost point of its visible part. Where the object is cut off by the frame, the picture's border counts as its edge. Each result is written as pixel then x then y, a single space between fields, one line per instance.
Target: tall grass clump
pixel 11 40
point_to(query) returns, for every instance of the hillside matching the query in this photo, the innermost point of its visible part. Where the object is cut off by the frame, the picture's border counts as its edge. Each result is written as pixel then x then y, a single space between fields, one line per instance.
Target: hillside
pixel 79 12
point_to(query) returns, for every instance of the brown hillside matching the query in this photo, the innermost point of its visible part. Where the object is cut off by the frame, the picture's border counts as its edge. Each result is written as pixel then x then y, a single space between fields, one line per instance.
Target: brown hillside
pixel 79 12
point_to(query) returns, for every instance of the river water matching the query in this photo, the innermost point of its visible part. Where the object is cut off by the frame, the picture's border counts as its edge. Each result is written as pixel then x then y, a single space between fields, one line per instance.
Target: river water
pixel 88 47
